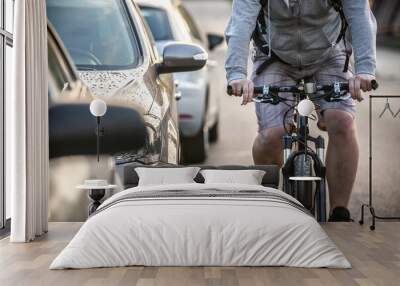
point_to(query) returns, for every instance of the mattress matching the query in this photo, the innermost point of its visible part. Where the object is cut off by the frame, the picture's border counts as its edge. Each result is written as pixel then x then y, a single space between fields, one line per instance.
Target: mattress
pixel 201 225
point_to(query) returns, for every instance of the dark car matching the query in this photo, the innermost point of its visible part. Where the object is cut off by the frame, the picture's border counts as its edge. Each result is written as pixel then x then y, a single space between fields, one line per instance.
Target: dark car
pixel 116 57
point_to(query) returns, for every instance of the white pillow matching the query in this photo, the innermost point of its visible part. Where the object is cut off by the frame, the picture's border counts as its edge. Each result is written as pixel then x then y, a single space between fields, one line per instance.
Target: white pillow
pixel 248 177
pixel 165 176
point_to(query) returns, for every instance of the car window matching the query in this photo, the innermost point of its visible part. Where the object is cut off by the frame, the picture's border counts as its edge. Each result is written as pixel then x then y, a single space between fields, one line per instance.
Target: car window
pixel 59 71
pixel 194 30
pixel 97 33
pixel 56 72
pixel 157 20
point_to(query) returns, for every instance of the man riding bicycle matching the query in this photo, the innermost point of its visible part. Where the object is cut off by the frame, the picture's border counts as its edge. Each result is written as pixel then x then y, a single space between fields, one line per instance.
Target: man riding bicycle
pixel 305 39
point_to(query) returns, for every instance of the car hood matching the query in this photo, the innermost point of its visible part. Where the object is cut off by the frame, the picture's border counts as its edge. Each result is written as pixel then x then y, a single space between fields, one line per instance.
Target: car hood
pixel 127 86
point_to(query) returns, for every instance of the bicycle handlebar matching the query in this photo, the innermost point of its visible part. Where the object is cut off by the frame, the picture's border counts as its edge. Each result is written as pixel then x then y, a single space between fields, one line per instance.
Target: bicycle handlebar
pixel 341 86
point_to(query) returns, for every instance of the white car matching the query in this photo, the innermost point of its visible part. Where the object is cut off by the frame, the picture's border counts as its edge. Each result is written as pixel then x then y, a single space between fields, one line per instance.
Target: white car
pixel 198 107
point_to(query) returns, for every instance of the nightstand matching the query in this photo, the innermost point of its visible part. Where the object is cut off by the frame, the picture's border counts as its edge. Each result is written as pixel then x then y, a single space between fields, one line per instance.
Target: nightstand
pixel 97 190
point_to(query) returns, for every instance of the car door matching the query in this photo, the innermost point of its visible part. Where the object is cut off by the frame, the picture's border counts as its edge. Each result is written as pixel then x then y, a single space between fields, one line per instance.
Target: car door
pixel 164 106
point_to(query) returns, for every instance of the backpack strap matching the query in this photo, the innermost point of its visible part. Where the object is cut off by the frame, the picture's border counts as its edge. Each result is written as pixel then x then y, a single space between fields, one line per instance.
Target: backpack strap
pixel 260 30
pixel 259 36
pixel 338 6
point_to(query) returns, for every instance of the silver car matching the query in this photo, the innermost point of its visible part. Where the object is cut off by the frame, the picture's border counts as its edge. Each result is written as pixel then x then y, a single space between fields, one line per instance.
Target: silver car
pixel 116 57
pixel 198 107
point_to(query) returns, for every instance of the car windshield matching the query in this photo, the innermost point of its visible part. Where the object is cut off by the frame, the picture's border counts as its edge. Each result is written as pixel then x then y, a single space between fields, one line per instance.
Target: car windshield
pixel 97 33
pixel 157 19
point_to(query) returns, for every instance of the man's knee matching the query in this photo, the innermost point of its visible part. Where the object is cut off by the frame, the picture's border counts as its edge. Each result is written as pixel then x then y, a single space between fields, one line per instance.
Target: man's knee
pixel 267 148
pixel 340 124
pixel 271 138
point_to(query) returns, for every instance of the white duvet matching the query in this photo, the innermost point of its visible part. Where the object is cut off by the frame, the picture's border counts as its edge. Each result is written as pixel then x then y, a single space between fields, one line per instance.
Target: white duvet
pixel 202 231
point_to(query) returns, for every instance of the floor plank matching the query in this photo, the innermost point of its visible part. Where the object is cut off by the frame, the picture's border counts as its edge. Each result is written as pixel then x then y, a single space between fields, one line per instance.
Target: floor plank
pixel 375 257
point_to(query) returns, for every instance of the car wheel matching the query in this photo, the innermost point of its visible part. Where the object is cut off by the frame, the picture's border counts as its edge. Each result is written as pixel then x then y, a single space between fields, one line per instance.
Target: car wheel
pixel 213 133
pixel 195 149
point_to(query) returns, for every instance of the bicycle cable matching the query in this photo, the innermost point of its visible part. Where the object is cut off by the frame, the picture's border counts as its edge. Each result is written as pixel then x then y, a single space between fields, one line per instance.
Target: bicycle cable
pixel 293 107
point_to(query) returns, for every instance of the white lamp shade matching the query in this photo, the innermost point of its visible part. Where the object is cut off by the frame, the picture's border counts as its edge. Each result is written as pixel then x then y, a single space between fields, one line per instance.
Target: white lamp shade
pixel 305 107
pixel 98 107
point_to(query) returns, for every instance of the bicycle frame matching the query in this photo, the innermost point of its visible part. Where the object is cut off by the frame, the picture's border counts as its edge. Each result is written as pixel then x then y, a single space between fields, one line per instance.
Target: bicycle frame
pixel 302 139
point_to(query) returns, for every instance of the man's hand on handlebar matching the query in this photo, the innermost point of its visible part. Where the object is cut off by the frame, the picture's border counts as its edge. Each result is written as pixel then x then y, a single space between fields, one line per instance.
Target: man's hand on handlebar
pixel 333 91
pixel 243 87
pixel 360 82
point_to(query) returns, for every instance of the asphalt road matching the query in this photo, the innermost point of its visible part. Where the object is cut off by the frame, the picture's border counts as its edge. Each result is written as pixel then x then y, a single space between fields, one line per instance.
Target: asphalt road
pixel 239 127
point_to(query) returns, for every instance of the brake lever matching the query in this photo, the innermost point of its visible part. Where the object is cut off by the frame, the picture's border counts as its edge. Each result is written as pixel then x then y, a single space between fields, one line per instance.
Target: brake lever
pixel 257 99
pixel 335 97
pixel 262 99
pixel 338 94
pixel 271 99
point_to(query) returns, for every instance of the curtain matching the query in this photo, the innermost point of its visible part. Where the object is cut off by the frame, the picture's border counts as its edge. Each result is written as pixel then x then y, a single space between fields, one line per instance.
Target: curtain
pixel 27 124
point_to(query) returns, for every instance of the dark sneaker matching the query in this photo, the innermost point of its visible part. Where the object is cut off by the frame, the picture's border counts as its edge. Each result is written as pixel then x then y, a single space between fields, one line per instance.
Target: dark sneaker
pixel 340 214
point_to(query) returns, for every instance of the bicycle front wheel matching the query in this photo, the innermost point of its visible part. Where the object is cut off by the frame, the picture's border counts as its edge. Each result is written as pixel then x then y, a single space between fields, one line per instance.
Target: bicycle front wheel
pixel 303 189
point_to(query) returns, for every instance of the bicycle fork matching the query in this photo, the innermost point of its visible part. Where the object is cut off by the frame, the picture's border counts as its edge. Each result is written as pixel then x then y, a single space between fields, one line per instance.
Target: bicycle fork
pixel 287 147
pixel 287 152
pixel 321 191
pixel 319 168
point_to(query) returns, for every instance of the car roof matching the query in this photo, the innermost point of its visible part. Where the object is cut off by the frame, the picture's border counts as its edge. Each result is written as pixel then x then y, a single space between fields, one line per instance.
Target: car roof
pixel 165 4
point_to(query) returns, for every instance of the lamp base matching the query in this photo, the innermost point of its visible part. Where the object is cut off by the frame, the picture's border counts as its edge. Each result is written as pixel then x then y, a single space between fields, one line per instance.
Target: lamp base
pixel 96 195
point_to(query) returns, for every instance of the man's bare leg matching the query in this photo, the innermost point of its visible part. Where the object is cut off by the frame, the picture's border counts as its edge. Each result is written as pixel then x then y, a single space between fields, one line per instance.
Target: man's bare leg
pixel 267 147
pixel 342 156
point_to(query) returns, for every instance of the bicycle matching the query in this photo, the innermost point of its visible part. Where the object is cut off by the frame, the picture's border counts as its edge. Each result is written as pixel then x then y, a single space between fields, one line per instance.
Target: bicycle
pixel 303 165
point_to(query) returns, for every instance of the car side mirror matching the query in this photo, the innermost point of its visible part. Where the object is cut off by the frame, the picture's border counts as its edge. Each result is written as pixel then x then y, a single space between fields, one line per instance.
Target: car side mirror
pixel 180 57
pixel 214 41
pixel 72 130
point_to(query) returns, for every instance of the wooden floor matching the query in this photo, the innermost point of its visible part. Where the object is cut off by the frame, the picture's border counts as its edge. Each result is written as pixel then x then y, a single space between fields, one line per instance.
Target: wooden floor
pixel 375 257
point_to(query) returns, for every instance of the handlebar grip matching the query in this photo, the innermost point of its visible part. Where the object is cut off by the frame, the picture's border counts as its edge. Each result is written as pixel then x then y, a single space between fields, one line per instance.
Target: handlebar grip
pixel 374 84
pixel 346 86
pixel 257 90
pixel 229 90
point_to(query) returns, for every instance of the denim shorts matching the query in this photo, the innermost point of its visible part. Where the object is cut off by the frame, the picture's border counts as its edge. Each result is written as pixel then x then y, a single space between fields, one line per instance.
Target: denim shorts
pixel 279 73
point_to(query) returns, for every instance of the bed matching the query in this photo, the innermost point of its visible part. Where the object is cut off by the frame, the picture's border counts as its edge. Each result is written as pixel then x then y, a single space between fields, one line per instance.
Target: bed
pixel 201 224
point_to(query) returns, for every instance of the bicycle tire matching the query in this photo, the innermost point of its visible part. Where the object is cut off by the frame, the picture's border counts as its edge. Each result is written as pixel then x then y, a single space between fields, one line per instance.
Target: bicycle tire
pixel 304 189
